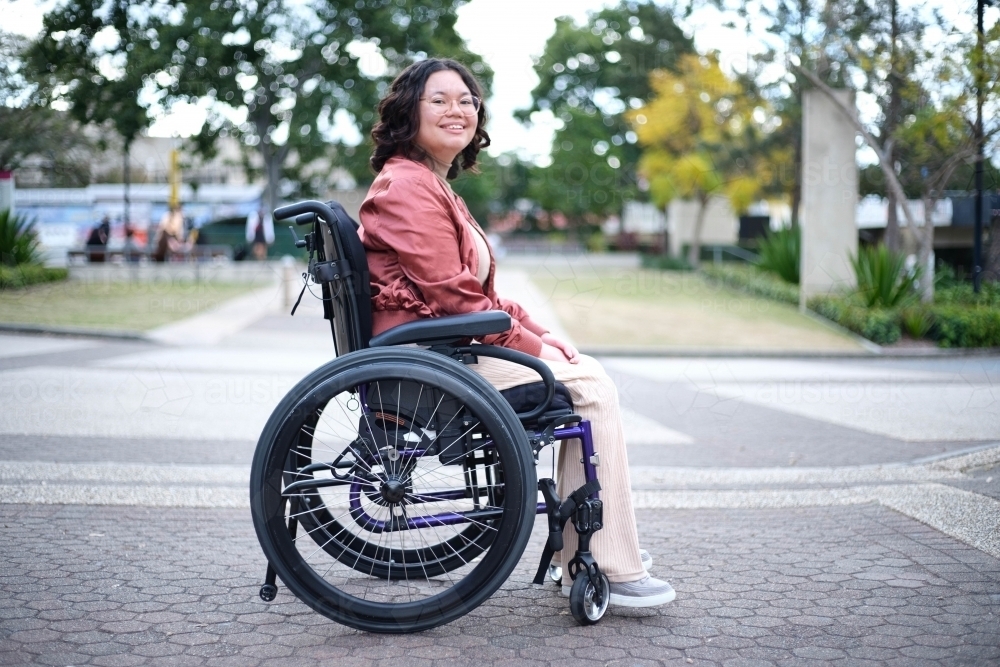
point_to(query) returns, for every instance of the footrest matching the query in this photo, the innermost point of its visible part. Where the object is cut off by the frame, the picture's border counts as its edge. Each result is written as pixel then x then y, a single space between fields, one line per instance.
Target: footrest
pixel 560 511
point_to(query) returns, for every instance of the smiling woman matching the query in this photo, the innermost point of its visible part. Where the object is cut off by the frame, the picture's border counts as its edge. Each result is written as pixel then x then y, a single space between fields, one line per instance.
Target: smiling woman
pixel 428 257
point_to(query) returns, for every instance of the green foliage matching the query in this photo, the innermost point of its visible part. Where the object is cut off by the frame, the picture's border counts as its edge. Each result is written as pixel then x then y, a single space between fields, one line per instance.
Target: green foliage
pixel 883 281
pixel 962 293
pixel 22 275
pixel 751 279
pixel 916 321
pixel 664 262
pixel 30 129
pixel 876 324
pixel 284 66
pixel 613 53
pixel 586 181
pixel 97 80
pixel 588 76
pixel 965 326
pixel 780 253
pixel 18 241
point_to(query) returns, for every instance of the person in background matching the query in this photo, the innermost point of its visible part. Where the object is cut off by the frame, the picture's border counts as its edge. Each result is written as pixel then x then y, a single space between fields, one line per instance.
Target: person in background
pixel 170 235
pixel 97 241
pixel 260 232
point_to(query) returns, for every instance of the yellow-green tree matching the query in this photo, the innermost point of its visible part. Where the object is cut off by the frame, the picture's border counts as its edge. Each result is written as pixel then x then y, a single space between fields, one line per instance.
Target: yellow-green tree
pixel 697 133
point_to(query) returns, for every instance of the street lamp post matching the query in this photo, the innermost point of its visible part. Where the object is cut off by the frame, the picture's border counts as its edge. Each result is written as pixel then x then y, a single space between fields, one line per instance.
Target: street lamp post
pixel 977 242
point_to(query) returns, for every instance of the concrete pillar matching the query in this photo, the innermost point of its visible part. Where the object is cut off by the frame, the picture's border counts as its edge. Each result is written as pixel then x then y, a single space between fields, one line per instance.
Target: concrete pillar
pixel 829 196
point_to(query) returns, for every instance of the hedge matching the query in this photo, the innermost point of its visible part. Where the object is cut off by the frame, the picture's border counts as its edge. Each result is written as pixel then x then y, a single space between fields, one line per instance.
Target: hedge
pixel 876 324
pixel 664 262
pixel 22 275
pixel 750 279
pixel 965 326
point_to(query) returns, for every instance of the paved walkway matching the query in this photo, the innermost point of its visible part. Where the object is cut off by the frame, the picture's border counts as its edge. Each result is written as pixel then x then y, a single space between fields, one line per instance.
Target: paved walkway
pixel 806 511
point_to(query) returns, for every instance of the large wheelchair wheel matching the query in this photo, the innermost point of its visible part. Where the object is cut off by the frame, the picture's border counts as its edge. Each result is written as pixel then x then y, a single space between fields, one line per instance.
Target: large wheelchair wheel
pixel 393 490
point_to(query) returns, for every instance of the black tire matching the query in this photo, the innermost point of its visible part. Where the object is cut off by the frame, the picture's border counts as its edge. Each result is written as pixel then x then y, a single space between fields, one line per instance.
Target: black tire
pixel 382 564
pixel 586 603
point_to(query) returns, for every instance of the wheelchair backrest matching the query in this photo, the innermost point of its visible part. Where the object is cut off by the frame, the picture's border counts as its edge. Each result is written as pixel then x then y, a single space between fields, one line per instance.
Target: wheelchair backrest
pixel 340 268
pixel 347 298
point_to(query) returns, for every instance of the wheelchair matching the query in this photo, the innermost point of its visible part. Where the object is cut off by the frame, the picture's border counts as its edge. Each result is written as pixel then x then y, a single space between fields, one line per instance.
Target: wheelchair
pixel 393 489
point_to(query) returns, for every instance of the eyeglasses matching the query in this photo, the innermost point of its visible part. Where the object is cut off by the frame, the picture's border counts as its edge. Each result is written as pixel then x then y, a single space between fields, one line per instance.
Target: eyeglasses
pixel 440 105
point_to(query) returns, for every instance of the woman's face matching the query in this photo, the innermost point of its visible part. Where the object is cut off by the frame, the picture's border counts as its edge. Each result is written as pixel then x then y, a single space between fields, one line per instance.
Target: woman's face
pixel 445 135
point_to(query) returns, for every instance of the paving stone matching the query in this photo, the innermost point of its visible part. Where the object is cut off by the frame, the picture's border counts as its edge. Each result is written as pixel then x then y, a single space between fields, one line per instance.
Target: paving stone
pixel 747 582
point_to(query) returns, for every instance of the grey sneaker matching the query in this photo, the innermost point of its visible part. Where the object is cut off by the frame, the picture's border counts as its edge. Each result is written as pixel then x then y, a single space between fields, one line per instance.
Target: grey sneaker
pixel 555 568
pixel 647 592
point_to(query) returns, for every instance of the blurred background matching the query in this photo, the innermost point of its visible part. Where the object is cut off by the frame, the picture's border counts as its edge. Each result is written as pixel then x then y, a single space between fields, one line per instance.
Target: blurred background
pixel 642 138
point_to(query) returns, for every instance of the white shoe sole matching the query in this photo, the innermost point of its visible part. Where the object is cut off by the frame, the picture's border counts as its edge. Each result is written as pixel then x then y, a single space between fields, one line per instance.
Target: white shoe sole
pixel 646 565
pixel 630 601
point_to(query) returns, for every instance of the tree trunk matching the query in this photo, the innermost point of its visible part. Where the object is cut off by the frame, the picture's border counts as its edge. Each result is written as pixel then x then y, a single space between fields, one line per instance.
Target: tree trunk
pixel 274 158
pixel 991 262
pixel 127 178
pixel 797 170
pixel 694 249
pixel 925 252
pixel 892 238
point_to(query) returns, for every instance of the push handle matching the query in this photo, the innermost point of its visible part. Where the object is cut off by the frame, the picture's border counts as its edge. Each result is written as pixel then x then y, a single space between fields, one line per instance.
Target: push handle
pixel 305 207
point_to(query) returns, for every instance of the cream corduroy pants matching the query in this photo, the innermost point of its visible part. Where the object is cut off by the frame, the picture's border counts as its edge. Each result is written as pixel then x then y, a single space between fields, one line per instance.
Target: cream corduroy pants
pixel 595 398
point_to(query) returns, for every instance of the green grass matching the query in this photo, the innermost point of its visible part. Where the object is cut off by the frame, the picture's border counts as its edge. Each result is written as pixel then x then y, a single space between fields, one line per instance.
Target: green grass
pixel 642 308
pixel 113 305
pixel 752 279
pixel 22 275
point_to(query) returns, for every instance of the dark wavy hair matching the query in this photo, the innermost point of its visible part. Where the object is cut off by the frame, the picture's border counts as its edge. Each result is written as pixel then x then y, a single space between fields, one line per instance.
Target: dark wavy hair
pixel 399 117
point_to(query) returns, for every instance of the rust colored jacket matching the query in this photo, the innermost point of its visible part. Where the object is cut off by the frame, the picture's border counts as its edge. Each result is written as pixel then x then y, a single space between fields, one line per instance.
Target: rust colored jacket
pixel 423 259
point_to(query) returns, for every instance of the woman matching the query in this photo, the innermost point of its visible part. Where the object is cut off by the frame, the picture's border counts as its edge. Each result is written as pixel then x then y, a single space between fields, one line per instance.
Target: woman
pixel 428 258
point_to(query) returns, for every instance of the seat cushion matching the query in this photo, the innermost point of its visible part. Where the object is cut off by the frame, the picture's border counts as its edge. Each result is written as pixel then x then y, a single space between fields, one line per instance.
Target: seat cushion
pixel 526 396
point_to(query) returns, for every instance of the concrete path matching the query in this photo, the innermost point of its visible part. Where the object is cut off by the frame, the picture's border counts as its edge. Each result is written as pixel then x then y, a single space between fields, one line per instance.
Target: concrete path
pixel 806 511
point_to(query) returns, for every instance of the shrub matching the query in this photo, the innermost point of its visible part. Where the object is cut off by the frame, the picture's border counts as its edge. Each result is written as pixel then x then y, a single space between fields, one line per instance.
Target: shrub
pixel 876 324
pixel 916 321
pixel 749 278
pixel 780 252
pixel 22 275
pixel 18 241
pixel 963 294
pixel 883 281
pixel 665 263
pixel 964 326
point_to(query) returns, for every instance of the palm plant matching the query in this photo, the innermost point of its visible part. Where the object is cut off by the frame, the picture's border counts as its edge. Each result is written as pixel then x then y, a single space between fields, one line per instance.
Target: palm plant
pixel 883 280
pixel 18 240
pixel 779 253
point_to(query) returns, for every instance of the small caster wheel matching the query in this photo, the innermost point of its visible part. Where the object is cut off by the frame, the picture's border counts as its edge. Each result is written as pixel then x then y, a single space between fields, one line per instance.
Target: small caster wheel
pixel 555 573
pixel 268 592
pixel 586 603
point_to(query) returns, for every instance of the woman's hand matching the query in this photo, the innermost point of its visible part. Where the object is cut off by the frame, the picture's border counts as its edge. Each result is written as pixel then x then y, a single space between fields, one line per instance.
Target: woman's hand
pixel 558 350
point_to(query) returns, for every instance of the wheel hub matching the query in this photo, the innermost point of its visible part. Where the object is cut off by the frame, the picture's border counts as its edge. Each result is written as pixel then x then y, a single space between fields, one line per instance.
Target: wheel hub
pixel 393 490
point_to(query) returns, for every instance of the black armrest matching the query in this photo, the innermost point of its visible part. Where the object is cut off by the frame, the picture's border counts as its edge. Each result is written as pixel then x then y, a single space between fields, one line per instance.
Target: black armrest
pixel 446 329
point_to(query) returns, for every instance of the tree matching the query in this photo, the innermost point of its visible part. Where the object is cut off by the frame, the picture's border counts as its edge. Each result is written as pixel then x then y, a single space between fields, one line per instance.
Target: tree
pixel 585 181
pixel 86 60
pixel 278 75
pixel 29 129
pixel 589 75
pixel 694 131
pixel 812 35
